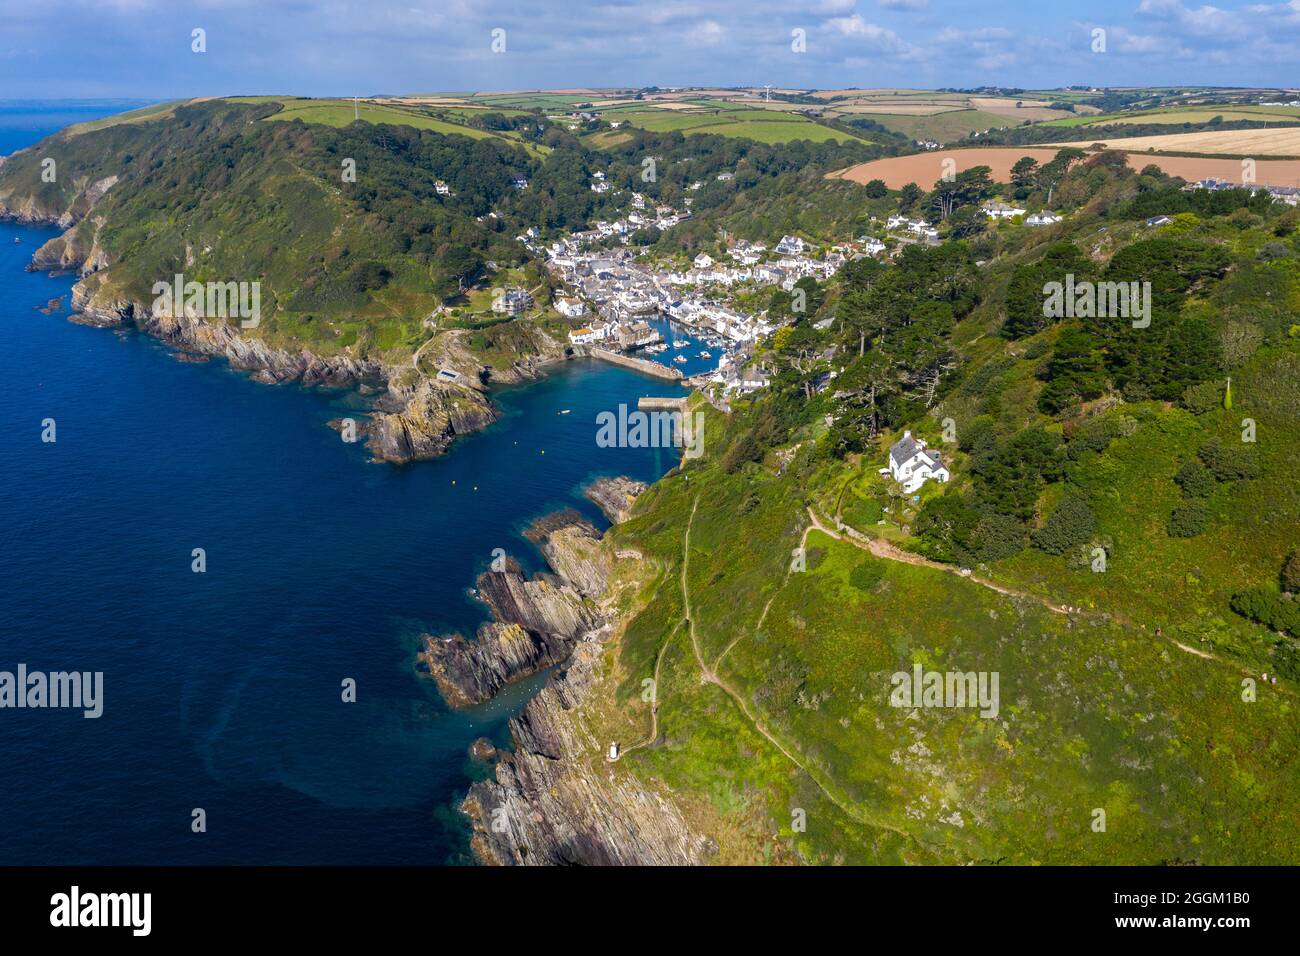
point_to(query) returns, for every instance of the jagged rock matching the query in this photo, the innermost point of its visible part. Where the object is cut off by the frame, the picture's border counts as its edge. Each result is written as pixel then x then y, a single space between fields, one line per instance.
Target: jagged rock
pixel 472 672
pixel 554 800
pixel 432 415
pixel 543 605
pixel 615 496
pixel 483 749
pixel 571 546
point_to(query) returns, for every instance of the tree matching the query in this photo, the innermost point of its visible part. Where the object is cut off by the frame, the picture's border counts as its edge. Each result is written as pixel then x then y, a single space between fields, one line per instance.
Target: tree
pixel 1076 372
pixel 1069 526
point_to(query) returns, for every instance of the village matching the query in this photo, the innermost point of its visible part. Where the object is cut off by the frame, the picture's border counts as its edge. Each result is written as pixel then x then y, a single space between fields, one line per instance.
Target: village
pixel 621 295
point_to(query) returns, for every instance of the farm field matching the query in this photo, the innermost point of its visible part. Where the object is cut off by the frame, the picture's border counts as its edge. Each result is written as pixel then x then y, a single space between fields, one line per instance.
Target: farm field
pixel 762 125
pixel 924 169
pixel 942 127
pixel 1283 141
pixel 1200 114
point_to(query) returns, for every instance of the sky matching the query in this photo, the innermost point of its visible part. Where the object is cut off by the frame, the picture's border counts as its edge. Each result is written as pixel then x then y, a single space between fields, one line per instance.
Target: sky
pixel 52 49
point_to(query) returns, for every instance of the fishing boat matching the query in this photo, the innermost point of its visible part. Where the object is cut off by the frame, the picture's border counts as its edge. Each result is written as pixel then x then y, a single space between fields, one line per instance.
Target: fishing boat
pixel 680 343
pixel 706 354
pixel 680 360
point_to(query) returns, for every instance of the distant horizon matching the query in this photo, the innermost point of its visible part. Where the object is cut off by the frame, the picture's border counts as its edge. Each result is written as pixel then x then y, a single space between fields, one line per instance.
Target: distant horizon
pixel 146 48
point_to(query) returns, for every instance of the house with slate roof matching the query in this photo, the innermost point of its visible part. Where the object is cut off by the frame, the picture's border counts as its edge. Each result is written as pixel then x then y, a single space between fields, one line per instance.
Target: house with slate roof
pixel 912 464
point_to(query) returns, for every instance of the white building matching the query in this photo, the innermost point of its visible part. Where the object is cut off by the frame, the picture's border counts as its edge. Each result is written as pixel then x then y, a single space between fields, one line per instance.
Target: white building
pixel 703 261
pixel 571 308
pixel 1043 218
pixel 588 335
pixel 1000 210
pixel 911 464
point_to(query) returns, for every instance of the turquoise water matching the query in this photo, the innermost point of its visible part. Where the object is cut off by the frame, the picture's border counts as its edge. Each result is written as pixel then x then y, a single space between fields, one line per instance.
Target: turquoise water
pixel 222 689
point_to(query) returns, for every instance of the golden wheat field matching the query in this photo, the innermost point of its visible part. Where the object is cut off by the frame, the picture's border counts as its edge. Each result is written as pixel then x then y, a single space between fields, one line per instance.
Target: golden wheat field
pixel 1280 141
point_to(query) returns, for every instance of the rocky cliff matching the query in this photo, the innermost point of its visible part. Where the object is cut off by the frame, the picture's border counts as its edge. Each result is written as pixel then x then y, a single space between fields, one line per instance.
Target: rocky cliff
pixel 556 801
pixel 615 496
pixel 472 672
pixel 418 417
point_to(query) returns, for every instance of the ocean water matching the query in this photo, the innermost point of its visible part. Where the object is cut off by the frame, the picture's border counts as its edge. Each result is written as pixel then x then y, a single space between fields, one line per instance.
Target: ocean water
pixel 222 690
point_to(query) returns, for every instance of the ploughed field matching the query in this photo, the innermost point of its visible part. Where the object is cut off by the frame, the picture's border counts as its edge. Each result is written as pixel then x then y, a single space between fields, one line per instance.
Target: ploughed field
pixel 925 169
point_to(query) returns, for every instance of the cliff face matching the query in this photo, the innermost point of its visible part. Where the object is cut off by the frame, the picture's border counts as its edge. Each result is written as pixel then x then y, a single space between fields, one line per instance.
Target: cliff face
pixel 419 417
pixel 473 672
pixel 555 801
pixel 615 496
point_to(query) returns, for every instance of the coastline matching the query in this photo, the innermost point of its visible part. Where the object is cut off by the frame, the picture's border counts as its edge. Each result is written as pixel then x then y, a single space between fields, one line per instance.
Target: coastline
pixel 411 416
pixel 554 799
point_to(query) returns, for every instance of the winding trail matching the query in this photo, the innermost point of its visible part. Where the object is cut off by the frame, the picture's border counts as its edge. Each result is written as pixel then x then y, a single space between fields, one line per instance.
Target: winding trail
pixel 709 676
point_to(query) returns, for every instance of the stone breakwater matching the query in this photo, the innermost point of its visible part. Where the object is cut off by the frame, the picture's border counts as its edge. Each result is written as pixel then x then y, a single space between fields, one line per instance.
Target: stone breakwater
pixel 553 799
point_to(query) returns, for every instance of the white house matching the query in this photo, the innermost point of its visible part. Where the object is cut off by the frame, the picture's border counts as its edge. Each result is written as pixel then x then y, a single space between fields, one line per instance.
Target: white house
pixel 442 188
pixel 572 308
pixel 1043 218
pixel 911 464
pixel 703 261
pixel 1000 210
pixel 790 245
pixel 585 336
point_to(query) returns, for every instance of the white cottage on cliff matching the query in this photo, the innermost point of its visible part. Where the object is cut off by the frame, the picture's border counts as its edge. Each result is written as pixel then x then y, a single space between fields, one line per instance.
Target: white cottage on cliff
pixel 912 464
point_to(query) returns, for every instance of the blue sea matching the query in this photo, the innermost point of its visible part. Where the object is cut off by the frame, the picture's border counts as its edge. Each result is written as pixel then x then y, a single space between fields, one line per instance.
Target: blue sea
pixel 222 689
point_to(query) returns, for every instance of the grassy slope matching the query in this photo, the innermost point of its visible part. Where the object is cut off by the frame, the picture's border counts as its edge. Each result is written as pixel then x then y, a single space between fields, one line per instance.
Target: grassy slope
pixel 1096 714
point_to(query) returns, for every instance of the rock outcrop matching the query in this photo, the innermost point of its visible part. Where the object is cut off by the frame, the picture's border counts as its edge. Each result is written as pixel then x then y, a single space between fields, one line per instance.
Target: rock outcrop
pixel 555 801
pixel 544 604
pixel 427 416
pixel 473 672
pixel 615 496
pixel 571 546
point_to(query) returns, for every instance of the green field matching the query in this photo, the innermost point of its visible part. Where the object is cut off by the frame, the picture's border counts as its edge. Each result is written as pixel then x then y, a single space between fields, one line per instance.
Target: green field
pixel 940 127
pixel 764 126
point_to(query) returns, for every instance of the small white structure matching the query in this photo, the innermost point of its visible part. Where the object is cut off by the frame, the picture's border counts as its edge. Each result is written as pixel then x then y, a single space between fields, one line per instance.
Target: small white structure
pixel 1159 221
pixel 911 464
pixel 442 188
pixel 1000 210
pixel 703 261
pixel 613 752
pixel 571 308
pixel 790 245
pixel 1043 218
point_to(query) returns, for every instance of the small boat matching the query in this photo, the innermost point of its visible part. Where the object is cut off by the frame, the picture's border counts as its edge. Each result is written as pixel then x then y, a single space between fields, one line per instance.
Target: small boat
pixel 680 343
pixel 706 354
pixel 680 360
pixel 16 239
pixel 564 411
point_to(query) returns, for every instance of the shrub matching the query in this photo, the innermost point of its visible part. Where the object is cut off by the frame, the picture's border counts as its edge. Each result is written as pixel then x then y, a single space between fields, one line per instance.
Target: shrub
pixel 1290 575
pixel 1189 519
pixel 1070 525
pixel 867 575
pixel 1265 606
pixel 1229 464
pixel 1195 480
